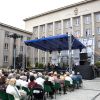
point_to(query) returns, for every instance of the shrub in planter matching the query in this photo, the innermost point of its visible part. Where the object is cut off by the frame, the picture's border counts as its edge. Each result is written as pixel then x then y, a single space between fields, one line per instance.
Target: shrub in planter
pixel 97 64
pixel 36 65
pixel 40 65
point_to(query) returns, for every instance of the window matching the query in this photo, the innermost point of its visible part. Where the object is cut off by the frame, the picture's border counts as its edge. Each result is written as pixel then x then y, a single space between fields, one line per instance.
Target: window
pixel 36 37
pixel 42 28
pixel 43 59
pixel 6 34
pixel 88 32
pixel 21 38
pixel 77 21
pixel 35 30
pixel 99 44
pixel 87 19
pixel 21 48
pixel 58 25
pixel 6 46
pixel 98 17
pixel 5 58
pixel 98 30
pixel 36 60
pixel 28 38
pixel 66 23
pixel 49 59
pixel 50 27
pixel 77 33
pixel 36 50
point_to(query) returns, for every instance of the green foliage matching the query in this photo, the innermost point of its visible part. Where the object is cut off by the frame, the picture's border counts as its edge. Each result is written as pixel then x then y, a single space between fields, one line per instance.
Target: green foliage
pixel 28 63
pixel 97 64
pixel 36 64
pixel 39 65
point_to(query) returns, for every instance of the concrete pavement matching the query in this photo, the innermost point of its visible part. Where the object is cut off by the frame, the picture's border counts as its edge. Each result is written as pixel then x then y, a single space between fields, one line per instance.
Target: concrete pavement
pixel 89 91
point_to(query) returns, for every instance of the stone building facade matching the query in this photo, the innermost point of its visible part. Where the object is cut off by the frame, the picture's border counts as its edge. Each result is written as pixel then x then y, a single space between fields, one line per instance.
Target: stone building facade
pixel 6 44
pixel 81 19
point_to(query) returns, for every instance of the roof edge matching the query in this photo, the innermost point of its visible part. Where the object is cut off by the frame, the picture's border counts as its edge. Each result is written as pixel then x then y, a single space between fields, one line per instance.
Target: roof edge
pixel 12 27
pixel 58 9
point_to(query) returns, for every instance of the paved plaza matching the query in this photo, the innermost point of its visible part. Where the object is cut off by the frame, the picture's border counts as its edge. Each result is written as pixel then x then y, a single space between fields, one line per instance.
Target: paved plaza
pixel 89 91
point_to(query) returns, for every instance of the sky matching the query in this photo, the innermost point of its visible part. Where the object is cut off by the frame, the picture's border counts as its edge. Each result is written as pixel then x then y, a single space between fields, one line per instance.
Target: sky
pixel 12 12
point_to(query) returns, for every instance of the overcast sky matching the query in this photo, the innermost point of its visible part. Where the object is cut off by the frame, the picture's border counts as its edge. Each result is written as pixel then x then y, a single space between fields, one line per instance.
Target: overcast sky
pixel 12 12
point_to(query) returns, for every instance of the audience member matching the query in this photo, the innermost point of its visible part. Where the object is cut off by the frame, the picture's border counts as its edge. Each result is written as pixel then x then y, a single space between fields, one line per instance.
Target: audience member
pixel 12 89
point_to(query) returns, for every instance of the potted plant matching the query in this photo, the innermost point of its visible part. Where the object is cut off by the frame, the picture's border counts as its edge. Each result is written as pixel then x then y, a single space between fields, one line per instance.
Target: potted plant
pixel 97 64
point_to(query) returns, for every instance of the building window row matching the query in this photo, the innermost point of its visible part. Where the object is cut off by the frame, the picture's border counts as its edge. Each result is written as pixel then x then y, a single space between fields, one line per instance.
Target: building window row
pixel 87 19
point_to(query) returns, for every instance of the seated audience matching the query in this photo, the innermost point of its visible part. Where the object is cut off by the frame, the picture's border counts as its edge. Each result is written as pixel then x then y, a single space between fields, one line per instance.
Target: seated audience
pixel 3 83
pixel 32 83
pixel 40 80
pixel 68 78
pixel 12 89
pixel 46 82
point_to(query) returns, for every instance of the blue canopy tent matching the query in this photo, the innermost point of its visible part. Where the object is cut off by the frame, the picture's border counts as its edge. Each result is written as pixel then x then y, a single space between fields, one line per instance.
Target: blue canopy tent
pixel 55 43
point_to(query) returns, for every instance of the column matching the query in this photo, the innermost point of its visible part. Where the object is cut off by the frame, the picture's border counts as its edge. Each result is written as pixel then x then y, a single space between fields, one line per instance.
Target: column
pixel 71 26
pixel 62 27
pixel 93 24
pixel 38 49
pixel 81 21
pixel 46 36
pixel 93 37
pixel 23 64
pixel 53 28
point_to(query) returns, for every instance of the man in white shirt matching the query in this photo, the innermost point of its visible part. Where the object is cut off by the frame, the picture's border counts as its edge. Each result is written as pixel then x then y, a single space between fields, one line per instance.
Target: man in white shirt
pixel 40 80
pixel 12 89
pixel 68 78
pixel 21 81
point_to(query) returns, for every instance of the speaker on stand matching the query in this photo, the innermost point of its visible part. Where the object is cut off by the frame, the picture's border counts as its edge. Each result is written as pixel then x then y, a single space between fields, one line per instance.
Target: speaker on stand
pixel 83 59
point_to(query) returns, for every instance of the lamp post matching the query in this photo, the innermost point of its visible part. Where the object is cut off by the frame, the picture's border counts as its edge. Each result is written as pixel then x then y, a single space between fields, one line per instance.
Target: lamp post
pixel 14 36
pixel 70 50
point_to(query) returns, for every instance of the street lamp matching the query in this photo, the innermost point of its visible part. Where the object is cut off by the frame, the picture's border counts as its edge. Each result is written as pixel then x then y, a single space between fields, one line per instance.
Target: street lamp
pixel 70 50
pixel 14 36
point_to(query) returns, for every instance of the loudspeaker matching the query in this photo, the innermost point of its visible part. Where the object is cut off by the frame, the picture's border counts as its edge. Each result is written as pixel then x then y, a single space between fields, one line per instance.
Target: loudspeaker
pixel 83 57
pixel 86 71
pixel 82 62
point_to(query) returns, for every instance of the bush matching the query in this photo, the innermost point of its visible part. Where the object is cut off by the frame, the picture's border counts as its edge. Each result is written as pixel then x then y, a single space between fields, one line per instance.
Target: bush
pixel 36 64
pixel 39 65
pixel 97 64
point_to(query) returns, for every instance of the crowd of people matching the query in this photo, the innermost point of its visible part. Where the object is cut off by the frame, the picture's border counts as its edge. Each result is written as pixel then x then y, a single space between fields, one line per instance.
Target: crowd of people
pixel 11 79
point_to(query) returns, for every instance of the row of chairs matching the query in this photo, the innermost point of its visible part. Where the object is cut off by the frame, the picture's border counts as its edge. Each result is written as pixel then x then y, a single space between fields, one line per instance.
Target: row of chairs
pixel 6 96
pixel 41 92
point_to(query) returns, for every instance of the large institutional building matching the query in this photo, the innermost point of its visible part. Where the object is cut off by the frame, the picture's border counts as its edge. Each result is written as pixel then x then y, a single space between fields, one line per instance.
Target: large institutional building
pixel 6 44
pixel 80 19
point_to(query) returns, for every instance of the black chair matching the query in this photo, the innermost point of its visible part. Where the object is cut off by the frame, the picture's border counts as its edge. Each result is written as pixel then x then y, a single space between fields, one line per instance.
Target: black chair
pixel 38 94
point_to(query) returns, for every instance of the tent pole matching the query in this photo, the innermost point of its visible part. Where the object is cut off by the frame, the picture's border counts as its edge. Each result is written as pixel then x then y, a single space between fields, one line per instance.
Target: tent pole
pixel 70 50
